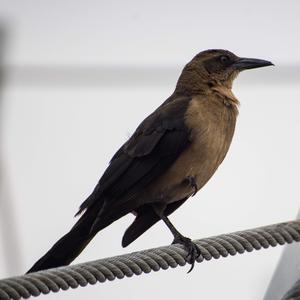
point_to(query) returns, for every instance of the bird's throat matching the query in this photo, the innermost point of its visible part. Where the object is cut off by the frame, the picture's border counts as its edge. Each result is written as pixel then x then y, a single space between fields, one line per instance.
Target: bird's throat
pixel 226 95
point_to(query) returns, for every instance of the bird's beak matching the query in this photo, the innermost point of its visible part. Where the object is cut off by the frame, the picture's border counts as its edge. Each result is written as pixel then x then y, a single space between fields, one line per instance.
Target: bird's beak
pixel 244 63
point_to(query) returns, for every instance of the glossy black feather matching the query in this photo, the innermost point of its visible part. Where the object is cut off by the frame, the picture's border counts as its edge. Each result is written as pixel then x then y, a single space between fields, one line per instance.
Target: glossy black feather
pixel 154 146
pixel 123 195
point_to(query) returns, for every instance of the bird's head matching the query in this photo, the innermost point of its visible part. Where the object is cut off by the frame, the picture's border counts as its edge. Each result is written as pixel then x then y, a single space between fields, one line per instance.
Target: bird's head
pixel 217 67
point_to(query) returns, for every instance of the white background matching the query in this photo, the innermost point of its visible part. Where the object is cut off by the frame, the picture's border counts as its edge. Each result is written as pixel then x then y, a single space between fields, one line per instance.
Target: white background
pixel 81 75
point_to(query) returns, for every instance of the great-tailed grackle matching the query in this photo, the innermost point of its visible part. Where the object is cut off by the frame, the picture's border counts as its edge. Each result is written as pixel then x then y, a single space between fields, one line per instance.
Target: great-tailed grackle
pixel 170 156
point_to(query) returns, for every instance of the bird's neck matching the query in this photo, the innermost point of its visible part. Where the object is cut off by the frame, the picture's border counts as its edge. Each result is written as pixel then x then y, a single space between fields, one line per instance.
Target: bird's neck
pixel 226 95
pixel 192 83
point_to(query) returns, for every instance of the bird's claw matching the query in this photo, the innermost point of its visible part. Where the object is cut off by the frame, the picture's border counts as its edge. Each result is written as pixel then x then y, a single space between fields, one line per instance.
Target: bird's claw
pixel 193 252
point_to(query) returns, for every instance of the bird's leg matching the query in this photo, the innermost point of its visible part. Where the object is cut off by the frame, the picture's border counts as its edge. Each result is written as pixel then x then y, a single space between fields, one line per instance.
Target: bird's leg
pixel 191 248
pixel 191 181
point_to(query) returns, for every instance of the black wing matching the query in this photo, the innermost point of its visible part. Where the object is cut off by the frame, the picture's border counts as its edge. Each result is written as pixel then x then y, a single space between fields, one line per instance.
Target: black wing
pixel 154 146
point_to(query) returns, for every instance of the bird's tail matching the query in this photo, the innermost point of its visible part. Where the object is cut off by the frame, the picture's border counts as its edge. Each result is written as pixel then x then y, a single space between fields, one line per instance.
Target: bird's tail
pixel 65 250
pixel 70 245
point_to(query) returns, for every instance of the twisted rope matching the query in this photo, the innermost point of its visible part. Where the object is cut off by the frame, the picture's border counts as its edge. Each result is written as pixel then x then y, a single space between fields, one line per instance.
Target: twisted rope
pixel 136 263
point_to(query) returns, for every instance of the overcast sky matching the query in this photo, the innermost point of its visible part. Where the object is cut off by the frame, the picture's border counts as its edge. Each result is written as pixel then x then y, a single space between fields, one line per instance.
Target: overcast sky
pixel 149 32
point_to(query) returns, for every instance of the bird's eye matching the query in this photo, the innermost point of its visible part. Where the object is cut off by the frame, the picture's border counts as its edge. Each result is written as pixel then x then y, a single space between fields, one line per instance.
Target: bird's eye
pixel 224 59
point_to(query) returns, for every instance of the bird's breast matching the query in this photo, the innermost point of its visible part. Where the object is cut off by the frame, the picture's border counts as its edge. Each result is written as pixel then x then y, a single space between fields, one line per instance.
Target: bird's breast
pixel 211 125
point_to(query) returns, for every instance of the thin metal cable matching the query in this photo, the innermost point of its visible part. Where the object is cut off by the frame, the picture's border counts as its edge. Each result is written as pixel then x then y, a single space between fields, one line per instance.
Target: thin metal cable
pixel 136 263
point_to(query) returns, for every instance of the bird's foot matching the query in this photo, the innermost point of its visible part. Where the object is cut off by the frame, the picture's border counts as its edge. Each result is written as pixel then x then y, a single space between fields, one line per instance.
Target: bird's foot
pixel 191 181
pixel 191 248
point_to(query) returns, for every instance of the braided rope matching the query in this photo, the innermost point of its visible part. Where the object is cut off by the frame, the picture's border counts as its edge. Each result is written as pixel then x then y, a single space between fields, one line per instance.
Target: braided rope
pixel 136 263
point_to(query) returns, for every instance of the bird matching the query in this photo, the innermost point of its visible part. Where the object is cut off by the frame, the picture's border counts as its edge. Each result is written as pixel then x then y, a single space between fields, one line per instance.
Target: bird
pixel 168 159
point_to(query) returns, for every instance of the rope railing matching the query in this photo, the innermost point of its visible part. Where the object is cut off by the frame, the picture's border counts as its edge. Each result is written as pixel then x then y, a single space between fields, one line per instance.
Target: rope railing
pixel 136 263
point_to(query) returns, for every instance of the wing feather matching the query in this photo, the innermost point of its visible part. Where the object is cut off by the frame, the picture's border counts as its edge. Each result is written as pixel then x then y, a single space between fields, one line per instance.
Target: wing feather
pixel 154 146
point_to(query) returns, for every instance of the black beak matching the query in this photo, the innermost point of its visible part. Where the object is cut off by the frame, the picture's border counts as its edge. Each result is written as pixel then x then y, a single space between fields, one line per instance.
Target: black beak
pixel 244 63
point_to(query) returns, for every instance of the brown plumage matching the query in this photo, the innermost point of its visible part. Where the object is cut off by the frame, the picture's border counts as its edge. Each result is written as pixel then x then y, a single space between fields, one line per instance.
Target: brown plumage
pixel 171 155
